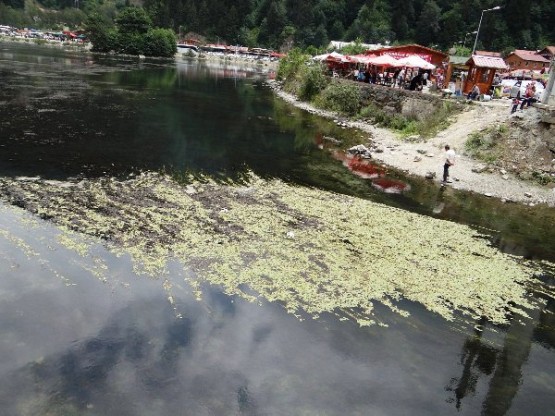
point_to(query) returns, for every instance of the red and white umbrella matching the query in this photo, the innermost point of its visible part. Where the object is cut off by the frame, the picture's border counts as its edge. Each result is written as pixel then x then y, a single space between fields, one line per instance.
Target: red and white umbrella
pixel 415 61
pixel 384 60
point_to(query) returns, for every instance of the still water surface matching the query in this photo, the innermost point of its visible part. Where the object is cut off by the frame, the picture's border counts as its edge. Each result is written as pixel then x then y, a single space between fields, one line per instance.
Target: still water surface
pixel 73 343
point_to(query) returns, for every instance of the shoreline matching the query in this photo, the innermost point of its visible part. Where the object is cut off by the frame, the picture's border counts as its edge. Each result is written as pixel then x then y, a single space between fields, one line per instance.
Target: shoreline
pixel 422 158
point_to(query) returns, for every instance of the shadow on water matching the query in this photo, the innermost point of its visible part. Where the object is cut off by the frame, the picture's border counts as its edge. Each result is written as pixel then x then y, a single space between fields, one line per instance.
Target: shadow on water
pixel 76 115
pixel 503 367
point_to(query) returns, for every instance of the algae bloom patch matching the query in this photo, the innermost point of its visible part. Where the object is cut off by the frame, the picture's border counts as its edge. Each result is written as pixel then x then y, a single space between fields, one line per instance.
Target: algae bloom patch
pixel 310 250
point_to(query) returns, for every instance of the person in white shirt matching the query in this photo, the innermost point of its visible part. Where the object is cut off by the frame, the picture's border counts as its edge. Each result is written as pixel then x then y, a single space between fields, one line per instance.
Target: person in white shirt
pixel 449 161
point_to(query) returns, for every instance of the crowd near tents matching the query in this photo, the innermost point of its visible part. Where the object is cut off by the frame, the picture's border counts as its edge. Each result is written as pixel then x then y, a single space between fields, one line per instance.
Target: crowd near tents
pixel 415 66
pixel 386 60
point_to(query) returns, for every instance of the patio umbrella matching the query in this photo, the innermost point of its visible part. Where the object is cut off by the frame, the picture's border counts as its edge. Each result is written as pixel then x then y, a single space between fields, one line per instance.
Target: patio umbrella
pixel 350 59
pixel 384 60
pixel 320 57
pixel 364 59
pixel 334 57
pixel 415 61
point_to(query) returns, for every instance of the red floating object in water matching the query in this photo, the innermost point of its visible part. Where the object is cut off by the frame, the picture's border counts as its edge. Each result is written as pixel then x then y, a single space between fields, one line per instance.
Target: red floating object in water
pixel 365 168
pixel 390 186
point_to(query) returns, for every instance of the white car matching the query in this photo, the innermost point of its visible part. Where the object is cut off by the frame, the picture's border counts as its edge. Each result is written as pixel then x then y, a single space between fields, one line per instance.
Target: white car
pixel 518 90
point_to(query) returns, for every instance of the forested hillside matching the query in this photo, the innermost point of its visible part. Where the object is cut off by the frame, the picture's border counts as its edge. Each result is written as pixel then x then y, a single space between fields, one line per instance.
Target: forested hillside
pixel 523 24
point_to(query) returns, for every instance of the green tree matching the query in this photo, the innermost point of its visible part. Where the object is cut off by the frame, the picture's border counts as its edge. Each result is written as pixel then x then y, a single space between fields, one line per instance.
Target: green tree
pixel 15 4
pixel 273 23
pixel 133 20
pixel 402 12
pixel 100 32
pixel 160 42
pixel 428 25
pixel 355 48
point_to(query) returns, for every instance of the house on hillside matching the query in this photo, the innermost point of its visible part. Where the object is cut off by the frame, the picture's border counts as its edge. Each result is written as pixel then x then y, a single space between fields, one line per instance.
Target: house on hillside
pixel 548 52
pixel 523 59
pixel 436 58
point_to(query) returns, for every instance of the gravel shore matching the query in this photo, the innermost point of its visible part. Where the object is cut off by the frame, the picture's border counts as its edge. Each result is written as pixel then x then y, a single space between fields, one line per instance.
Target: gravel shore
pixel 421 158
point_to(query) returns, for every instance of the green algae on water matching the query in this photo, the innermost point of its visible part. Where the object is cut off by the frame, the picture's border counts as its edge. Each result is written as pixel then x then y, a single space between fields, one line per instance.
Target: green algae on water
pixel 310 250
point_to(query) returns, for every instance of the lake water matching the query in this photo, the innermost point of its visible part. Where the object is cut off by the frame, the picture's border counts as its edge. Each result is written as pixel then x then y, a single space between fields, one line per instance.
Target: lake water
pixel 85 335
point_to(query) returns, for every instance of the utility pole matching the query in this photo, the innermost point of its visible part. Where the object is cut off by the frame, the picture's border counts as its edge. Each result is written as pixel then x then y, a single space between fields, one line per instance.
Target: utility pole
pixel 549 90
pixel 480 25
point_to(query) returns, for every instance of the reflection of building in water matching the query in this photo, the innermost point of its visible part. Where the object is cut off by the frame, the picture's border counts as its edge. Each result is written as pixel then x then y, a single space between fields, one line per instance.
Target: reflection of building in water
pixel 504 366
pixel 232 70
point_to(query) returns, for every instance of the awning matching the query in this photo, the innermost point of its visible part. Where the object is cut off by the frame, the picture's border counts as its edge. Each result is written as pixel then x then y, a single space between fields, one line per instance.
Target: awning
pixel 384 60
pixel 415 61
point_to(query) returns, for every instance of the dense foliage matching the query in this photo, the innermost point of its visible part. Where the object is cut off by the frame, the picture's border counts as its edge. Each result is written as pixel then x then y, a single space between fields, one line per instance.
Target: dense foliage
pixel 133 34
pixel 284 23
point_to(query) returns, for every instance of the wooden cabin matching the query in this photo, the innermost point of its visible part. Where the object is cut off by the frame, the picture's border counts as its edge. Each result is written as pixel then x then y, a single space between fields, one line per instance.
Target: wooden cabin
pixel 548 52
pixel 455 69
pixel 522 59
pixel 481 70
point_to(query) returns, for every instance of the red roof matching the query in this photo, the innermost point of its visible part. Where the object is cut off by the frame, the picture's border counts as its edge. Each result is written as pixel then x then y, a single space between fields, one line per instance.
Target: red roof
pixel 548 49
pixel 487 53
pixel 403 47
pixel 529 56
pixel 487 62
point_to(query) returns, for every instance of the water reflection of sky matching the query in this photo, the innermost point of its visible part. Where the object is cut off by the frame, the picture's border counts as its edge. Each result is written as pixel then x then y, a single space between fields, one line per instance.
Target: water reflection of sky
pixel 110 343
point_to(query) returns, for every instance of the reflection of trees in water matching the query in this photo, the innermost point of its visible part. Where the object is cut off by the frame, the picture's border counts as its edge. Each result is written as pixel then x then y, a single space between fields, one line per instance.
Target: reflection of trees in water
pixel 476 359
pixel 503 365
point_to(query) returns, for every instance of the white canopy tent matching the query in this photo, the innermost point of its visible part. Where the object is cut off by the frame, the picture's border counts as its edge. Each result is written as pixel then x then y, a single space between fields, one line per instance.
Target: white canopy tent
pixel 415 61
pixel 334 56
pixel 384 60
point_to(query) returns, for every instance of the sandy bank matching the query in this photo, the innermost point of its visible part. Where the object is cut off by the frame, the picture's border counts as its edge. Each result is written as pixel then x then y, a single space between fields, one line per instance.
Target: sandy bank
pixel 423 157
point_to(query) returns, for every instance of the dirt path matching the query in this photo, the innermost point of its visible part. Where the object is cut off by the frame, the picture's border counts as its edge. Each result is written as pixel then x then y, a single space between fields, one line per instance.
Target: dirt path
pixel 424 157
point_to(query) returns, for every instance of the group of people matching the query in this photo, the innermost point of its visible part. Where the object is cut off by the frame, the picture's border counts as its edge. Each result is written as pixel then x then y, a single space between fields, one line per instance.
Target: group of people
pixel 407 78
pixel 529 97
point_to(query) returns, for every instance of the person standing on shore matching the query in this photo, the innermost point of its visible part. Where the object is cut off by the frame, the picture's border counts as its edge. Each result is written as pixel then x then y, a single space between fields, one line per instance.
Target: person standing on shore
pixel 449 161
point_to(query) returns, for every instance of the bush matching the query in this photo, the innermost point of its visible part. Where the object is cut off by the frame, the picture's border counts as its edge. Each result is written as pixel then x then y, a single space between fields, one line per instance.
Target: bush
pixel 312 82
pixel 482 145
pixel 100 33
pixel 341 97
pixel 130 43
pixel 410 125
pixel 160 42
pixel 542 178
pixel 291 65
pixel 479 141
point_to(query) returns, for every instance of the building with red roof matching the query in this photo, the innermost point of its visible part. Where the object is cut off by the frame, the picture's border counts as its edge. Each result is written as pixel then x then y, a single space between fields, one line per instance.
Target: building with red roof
pixel 548 52
pixel 523 59
pixel 481 72
pixel 436 58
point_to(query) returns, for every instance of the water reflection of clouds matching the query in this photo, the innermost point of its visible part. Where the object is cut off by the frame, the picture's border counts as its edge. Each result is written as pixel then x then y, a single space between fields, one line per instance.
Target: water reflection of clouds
pixel 122 351
pixel 114 346
pixel 224 359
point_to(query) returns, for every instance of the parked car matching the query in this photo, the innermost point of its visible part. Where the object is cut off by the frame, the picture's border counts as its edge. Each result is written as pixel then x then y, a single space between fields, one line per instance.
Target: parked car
pixel 518 90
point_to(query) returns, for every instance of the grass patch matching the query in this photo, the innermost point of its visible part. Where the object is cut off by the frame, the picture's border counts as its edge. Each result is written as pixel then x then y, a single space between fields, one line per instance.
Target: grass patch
pixel 340 97
pixel 542 178
pixel 482 145
pixel 409 125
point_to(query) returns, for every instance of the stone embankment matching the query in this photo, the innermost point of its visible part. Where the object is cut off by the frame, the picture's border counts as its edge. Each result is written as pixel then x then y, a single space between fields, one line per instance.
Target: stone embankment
pixel 425 157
